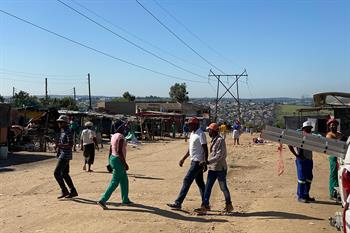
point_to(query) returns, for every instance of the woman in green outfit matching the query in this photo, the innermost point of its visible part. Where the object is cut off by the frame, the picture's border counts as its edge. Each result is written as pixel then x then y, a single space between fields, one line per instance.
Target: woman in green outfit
pixel 117 160
pixel 333 161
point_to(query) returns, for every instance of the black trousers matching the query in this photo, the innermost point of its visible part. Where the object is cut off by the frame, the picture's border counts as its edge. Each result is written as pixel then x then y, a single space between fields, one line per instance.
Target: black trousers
pixel 62 175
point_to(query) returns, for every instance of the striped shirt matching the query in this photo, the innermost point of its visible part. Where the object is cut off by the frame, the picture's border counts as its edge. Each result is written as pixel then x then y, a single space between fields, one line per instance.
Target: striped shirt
pixel 65 138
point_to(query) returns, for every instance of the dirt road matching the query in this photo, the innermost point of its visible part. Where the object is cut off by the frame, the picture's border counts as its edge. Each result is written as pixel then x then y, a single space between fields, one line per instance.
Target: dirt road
pixel 263 201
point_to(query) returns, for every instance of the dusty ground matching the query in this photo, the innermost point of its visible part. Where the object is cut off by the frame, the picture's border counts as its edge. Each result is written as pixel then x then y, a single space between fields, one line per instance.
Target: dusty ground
pixel 263 201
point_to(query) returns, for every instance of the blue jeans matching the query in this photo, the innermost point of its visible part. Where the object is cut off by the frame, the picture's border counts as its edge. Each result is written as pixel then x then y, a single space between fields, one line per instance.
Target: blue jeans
pixel 195 172
pixel 221 177
pixel 304 170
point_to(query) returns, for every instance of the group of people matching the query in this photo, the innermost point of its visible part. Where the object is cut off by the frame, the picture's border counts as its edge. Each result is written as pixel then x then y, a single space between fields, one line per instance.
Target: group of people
pixel 304 164
pixel 88 143
pixel 202 159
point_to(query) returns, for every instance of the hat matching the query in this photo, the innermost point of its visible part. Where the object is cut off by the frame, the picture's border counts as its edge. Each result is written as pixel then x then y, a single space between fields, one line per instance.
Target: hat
pixel 332 120
pixel 213 126
pixel 88 124
pixel 307 124
pixel 193 120
pixel 63 118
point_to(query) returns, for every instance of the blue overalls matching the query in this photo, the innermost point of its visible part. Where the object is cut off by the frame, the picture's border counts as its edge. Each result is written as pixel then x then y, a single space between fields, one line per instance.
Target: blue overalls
pixel 304 170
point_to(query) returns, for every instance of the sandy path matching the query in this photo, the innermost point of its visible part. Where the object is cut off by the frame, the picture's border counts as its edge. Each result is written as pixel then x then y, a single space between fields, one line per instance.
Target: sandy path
pixel 263 201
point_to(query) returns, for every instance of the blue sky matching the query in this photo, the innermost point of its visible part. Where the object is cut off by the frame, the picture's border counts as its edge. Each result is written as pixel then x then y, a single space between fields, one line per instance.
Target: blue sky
pixel 289 48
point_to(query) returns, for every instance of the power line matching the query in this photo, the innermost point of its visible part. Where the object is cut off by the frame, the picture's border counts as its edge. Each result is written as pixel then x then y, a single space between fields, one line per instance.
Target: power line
pixel 99 51
pixel 43 75
pixel 181 40
pixel 135 36
pixel 129 41
pixel 35 82
pixel 192 33
pixel 52 80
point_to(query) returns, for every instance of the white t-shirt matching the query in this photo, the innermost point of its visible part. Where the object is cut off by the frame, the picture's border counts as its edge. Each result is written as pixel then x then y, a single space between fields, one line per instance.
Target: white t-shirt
pixel 197 139
pixel 87 136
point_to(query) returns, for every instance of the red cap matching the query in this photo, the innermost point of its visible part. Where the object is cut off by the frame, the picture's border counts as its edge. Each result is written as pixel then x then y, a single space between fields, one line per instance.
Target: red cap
pixel 193 120
pixel 213 126
pixel 332 120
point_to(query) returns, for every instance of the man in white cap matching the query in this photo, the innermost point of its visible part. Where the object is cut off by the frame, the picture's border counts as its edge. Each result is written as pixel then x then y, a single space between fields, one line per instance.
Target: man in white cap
pixel 88 143
pixel 304 166
pixel 64 155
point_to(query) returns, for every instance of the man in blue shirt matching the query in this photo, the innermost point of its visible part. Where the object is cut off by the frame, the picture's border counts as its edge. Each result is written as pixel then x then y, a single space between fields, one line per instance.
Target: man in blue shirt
pixel 64 155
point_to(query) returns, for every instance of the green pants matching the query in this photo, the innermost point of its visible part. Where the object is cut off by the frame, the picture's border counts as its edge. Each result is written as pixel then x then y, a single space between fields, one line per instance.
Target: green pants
pixel 119 176
pixel 333 174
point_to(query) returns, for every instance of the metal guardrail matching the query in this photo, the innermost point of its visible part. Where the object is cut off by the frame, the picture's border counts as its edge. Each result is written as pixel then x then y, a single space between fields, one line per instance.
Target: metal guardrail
pixel 309 142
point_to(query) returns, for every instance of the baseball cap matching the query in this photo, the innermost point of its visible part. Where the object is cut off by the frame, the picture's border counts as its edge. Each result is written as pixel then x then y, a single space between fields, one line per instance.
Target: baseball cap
pixel 213 126
pixel 193 120
pixel 307 124
pixel 63 118
pixel 332 120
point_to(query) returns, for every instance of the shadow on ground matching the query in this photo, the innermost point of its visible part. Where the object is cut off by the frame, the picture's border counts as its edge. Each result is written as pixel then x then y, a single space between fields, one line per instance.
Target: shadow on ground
pixel 19 158
pixel 140 208
pixel 136 176
pixel 276 215
pixel 6 169
pixel 327 203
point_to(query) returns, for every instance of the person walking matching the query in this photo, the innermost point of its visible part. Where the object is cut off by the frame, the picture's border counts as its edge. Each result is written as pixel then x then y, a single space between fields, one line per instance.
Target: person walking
pixel 64 155
pixel 88 143
pixel 186 130
pixel 236 132
pixel 223 129
pixel 117 160
pixel 217 169
pixel 173 129
pixel 74 128
pixel 304 164
pixel 333 161
pixel 198 151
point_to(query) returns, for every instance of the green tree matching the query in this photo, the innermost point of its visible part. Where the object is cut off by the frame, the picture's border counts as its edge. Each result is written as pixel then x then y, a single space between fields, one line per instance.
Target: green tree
pixel 119 99
pixel 68 103
pixel 128 96
pixel 22 98
pixel 2 99
pixel 178 92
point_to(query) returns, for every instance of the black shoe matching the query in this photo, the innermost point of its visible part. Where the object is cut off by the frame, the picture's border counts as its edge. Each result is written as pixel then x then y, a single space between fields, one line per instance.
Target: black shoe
pixel 202 209
pixel 311 199
pixel 128 203
pixel 64 194
pixel 73 193
pixel 174 206
pixel 102 204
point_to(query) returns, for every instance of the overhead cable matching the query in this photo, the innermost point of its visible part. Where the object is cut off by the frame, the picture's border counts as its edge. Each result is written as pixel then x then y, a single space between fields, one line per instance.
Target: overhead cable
pixel 129 41
pixel 179 38
pixel 99 51
pixel 135 36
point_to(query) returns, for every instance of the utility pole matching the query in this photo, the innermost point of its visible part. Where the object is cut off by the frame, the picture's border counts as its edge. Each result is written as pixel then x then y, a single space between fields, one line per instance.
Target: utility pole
pixel 237 76
pixel 239 104
pixel 74 95
pixel 13 92
pixel 46 96
pixel 217 100
pixel 90 105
